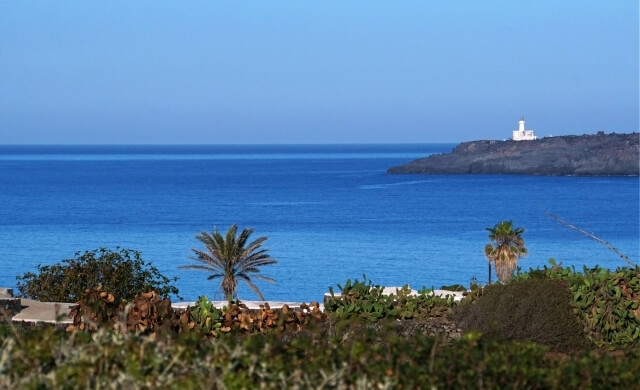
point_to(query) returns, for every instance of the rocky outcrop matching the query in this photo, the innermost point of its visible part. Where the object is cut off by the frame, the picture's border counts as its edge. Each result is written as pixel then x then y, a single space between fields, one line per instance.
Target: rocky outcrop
pixel 585 155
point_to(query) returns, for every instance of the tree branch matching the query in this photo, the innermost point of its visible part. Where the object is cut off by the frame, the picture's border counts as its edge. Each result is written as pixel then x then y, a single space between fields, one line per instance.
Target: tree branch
pixel 592 236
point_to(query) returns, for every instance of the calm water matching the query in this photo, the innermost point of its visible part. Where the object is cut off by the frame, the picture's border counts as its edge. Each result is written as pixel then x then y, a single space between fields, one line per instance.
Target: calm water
pixel 330 212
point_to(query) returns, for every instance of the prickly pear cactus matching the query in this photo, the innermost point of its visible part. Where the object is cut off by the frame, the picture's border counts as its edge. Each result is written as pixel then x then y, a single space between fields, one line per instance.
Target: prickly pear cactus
pixel 96 308
pixel 606 302
pixel 148 312
pixel 609 304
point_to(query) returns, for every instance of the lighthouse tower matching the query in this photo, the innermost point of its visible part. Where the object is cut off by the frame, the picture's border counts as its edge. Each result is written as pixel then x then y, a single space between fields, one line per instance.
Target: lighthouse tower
pixel 521 134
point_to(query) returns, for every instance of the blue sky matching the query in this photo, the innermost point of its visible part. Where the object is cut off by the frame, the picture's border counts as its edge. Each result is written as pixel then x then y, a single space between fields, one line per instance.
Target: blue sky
pixel 120 72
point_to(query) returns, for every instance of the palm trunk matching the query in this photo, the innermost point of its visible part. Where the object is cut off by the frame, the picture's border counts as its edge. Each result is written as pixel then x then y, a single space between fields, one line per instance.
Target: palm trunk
pixel 505 269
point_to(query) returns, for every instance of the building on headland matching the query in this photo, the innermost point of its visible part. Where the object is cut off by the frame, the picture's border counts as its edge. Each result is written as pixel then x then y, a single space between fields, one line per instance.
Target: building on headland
pixel 523 135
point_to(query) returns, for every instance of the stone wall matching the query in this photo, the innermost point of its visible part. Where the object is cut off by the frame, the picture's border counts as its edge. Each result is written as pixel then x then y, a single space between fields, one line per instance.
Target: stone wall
pixel 443 327
pixel 433 326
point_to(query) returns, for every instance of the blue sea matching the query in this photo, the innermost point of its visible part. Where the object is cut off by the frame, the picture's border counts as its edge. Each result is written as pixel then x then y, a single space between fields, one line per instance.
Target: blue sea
pixel 330 212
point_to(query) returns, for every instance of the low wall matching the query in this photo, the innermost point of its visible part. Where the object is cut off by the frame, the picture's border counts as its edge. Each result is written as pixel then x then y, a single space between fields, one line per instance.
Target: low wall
pixel 443 327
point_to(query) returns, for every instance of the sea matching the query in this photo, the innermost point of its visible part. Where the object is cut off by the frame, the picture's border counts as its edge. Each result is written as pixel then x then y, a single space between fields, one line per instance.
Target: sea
pixel 330 212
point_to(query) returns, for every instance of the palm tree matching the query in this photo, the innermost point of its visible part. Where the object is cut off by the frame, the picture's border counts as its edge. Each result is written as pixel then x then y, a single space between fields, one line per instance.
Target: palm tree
pixel 232 259
pixel 509 247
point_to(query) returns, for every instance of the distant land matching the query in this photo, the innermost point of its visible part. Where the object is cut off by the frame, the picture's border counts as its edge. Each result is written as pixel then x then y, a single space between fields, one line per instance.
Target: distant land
pixel 580 155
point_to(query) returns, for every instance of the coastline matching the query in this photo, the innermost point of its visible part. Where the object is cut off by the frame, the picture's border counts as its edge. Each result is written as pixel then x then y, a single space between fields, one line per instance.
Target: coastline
pixel 586 155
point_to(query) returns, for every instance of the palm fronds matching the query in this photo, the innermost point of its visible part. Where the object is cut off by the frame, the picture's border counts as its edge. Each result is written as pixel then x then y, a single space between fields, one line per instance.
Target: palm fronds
pixel 230 258
pixel 506 248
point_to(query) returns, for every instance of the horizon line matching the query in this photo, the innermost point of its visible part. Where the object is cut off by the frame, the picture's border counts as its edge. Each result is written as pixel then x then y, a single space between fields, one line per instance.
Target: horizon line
pixel 228 144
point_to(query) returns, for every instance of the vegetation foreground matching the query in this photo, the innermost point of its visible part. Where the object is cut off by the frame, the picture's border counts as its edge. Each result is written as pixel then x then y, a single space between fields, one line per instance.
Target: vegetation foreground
pixel 549 328
pixel 105 359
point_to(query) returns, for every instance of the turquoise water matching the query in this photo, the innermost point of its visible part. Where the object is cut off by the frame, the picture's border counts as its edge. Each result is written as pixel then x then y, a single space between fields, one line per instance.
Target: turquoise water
pixel 330 212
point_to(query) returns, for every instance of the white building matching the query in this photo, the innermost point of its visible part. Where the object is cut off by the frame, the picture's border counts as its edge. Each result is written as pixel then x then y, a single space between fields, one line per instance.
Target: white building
pixel 521 134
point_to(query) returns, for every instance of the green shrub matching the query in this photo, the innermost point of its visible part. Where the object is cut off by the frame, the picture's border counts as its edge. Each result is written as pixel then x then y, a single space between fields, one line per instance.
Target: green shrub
pixel 537 310
pixel 606 302
pixel 454 287
pixel 205 317
pixel 366 301
pixel 44 358
pixel 122 272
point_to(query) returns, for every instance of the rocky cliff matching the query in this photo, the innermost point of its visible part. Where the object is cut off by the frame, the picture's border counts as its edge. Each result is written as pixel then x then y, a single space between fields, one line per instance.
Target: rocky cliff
pixel 587 155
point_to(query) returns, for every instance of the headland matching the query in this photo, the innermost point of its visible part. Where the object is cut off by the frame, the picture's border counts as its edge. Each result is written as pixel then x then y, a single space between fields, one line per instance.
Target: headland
pixel 584 155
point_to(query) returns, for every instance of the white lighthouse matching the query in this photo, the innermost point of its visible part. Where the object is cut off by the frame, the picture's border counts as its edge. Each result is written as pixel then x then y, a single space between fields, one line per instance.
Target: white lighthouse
pixel 521 134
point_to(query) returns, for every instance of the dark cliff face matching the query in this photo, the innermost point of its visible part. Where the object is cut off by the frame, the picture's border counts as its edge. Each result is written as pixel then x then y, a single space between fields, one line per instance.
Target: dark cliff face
pixel 586 155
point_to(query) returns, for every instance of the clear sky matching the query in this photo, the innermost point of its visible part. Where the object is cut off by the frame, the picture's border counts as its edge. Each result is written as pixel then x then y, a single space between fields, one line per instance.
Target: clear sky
pixel 314 72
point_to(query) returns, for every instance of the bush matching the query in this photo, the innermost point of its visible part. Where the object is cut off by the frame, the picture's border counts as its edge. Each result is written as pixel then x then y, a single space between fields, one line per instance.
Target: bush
pixel 122 272
pixel 366 301
pixel 537 310
pixel 454 287
pixel 44 358
pixel 606 302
